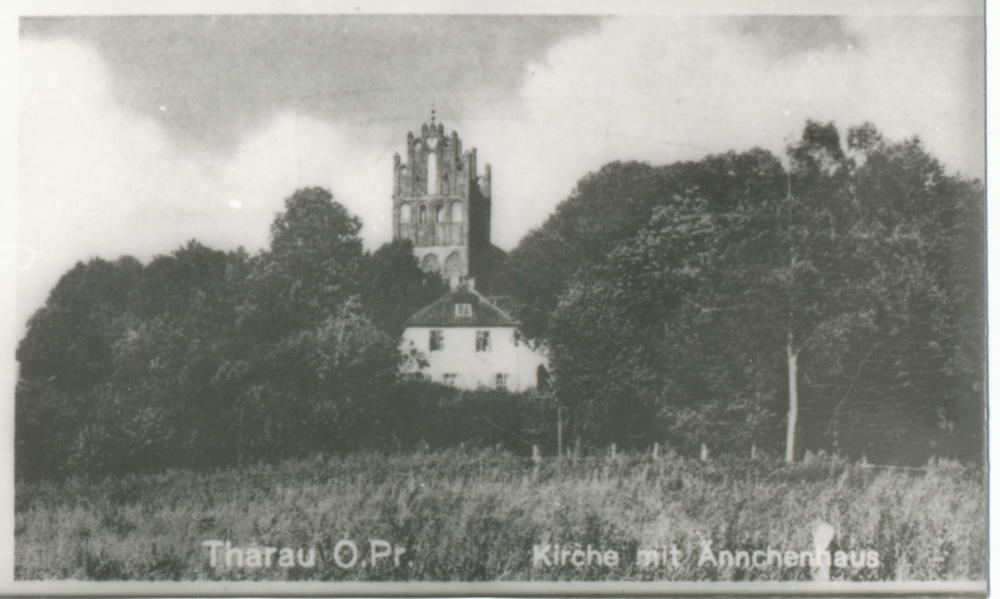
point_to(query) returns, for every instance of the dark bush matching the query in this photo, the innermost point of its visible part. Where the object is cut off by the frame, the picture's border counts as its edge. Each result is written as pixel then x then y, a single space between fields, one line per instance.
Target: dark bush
pixel 434 416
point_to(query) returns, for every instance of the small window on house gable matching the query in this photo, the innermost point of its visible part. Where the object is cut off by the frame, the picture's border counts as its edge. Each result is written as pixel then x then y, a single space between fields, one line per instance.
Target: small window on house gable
pixel 463 309
pixel 450 379
pixel 501 380
pixel 482 341
pixel 437 341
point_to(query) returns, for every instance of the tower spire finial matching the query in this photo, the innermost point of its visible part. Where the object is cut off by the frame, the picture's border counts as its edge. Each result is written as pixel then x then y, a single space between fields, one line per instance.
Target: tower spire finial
pixel 432 113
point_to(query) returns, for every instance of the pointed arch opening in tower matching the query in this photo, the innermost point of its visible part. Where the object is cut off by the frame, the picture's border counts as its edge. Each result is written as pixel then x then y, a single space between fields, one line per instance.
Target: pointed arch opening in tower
pixel 422 214
pixel 457 212
pixel 432 173
pixel 404 214
pixel 431 263
pixel 439 213
pixel 454 266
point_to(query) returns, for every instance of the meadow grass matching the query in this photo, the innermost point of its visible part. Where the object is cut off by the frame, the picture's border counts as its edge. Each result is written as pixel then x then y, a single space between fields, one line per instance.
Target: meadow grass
pixel 475 515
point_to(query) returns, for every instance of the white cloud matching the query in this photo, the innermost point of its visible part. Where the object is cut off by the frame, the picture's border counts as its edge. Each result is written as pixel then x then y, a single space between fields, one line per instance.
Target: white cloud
pixel 96 179
pixel 99 179
pixel 664 89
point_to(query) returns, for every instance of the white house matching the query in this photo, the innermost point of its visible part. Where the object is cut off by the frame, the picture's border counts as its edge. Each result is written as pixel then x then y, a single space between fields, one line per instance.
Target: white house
pixel 443 205
pixel 470 341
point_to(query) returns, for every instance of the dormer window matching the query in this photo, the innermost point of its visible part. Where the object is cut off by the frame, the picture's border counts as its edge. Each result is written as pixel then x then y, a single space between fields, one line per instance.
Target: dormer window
pixel 463 309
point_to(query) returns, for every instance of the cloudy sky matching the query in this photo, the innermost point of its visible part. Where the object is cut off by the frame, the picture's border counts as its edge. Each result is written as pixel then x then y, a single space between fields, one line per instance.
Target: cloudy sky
pixel 136 134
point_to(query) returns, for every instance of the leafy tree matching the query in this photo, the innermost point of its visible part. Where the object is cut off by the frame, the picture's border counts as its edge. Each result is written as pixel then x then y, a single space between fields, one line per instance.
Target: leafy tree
pixel 65 354
pixel 314 265
pixel 68 340
pixel 316 389
pixel 869 242
pixel 813 275
pixel 913 380
pixel 396 287
pixel 849 288
pixel 610 207
pixel 631 348
pixel 311 361
pixel 123 433
pixel 605 208
pixel 171 283
pixel 133 391
pixel 786 267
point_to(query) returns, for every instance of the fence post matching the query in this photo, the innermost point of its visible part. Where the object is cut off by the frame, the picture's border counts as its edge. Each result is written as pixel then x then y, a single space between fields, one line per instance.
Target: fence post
pixel 704 452
pixel 656 450
pixel 559 430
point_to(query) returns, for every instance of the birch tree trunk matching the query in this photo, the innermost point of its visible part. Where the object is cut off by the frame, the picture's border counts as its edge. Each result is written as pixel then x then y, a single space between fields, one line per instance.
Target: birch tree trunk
pixel 793 401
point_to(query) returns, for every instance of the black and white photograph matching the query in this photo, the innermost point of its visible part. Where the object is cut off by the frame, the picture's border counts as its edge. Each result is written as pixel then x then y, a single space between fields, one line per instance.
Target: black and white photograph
pixel 482 299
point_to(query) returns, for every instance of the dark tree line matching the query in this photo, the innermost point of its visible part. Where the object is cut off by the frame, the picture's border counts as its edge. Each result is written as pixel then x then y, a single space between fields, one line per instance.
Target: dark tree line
pixel 833 302
pixel 208 358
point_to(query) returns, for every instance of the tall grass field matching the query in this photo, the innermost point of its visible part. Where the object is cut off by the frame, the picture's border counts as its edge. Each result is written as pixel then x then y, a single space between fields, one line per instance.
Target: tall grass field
pixel 462 515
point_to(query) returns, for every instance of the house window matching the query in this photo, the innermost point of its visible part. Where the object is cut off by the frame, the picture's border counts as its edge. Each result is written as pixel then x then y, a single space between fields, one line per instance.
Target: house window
pixel 482 341
pixel 437 340
pixel 450 379
pixel 463 309
pixel 502 380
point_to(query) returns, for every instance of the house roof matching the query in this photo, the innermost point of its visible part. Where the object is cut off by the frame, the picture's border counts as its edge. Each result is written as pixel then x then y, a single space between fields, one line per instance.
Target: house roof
pixel 486 312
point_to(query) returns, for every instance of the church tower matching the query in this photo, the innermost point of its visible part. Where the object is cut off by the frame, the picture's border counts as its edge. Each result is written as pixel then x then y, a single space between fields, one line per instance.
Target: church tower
pixel 442 204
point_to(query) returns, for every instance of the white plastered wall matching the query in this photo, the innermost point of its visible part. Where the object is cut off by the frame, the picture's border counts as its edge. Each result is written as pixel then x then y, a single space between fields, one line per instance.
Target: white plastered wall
pixel 477 368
